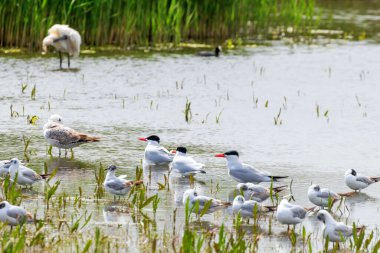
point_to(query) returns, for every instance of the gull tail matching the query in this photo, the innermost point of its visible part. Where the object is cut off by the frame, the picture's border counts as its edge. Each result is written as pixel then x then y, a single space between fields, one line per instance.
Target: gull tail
pixel 279 188
pixel 45 176
pixel 360 229
pixel 347 194
pixel 88 138
pixel 202 171
pixel 276 178
pixel 375 179
pixel 222 203
pixel 271 208
pixel 310 209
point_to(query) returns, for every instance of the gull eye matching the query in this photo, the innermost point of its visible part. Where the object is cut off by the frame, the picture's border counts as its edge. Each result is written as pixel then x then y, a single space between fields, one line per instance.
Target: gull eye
pixel 2 205
pixel 195 194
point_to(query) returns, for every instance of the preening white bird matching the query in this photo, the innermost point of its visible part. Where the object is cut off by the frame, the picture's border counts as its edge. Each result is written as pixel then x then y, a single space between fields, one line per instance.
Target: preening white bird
pixel 65 40
pixel 320 197
pixel 335 231
pixel 290 214
pixel 192 196
pixel 358 182
pixel 118 185
pixel 257 192
pixel 57 135
pixel 13 215
pixel 186 165
pixel 155 154
pixel 25 175
pixel 247 207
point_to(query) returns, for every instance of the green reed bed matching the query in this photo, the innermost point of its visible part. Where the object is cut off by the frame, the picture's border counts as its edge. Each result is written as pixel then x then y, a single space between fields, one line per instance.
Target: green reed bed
pixel 123 23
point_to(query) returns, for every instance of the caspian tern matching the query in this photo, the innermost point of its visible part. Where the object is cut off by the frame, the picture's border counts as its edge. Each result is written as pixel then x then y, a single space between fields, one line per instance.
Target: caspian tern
pixel 290 214
pixel 186 165
pixel 155 154
pixel 257 192
pixel 13 215
pixel 192 196
pixel 320 197
pixel 118 185
pixel 356 181
pixel 247 207
pixel 25 175
pixel 244 173
pixel 335 231
pixel 57 135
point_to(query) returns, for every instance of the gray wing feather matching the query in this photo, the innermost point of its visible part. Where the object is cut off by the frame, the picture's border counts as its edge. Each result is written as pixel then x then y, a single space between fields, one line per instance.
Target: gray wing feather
pixel 15 212
pixel 365 180
pixel 30 174
pixel 116 185
pixel 298 212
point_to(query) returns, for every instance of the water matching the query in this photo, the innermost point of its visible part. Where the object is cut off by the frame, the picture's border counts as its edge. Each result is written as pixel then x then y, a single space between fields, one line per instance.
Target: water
pixel 123 98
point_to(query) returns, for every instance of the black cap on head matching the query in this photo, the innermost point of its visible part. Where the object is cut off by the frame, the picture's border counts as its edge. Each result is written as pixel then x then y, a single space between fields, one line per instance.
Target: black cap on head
pixel 154 138
pixel 182 150
pixel 232 152
pixel 353 172
pixel 112 168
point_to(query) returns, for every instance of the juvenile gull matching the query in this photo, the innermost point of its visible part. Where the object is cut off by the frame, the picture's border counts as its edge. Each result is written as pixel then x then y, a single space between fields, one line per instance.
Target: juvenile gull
pixel 356 181
pixel 13 215
pixel 25 175
pixel 155 154
pixel 335 231
pixel 320 197
pixel 247 207
pixel 57 135
pixel 244 173
pixel 118 185
pixel 257 192
pixel 192 196
pixel 186 165
pixel 64 39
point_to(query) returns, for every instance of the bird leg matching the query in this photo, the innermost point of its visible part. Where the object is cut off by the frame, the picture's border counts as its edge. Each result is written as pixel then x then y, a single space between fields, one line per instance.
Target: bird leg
pixel 65 153
pixel 68 60
pixel 60 60
pixel 59 152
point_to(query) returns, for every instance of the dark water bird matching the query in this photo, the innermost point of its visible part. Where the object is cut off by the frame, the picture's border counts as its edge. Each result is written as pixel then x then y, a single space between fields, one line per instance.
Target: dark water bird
pixel 215 53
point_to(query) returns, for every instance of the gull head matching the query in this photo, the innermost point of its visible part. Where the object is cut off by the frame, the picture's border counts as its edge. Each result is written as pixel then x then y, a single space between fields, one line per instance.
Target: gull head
pixel 56 119
pixel 315 188
pixel 242 186
pixel 239 200
pixel 111 168
pixel 351 172
pixel 4 204
pixel 323 216
pixel 15 162
pixel 189 194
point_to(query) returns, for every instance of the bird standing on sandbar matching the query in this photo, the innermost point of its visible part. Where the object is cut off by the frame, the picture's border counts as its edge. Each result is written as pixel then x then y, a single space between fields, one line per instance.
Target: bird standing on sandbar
pixel 65 40
pixel 57 135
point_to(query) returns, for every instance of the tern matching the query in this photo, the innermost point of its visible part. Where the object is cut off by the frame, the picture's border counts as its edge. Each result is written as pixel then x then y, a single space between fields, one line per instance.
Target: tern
pixel 57 135
pixel 155 154
pixel 358 182
pixel 13 215
pixel 186 165
pixel 192 196
pixel 244 173
pixel 257 192
pixel 118 185
pixel 247 207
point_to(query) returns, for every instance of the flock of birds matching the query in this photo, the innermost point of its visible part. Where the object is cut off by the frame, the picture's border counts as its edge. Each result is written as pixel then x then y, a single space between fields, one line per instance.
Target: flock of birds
pixel 250 193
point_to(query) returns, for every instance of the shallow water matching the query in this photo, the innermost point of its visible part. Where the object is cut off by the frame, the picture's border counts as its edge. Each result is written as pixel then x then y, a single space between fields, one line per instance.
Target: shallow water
pixel 123 98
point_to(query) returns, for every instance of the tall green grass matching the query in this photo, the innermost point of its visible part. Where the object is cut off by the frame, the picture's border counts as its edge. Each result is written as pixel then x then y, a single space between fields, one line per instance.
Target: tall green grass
pixel 135 22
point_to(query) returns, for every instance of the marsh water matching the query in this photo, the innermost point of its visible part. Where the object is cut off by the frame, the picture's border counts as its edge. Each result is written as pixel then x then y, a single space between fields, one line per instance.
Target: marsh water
pixel 327 95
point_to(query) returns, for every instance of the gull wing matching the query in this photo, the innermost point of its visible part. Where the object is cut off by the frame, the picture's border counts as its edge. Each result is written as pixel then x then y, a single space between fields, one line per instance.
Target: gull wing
pixel 298 212
pixel 31 174
pixel 117 185
pixel 342 229
pixel 364 179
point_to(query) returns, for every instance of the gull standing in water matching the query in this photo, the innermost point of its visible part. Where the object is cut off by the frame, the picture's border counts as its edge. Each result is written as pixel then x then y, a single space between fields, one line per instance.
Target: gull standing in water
pixel 184 164
pixel 65 40
pixel 290 214
pixel 192 196
pixel 247 207
pixel 320 197
pixel 118 185
pixel 13 215
pixel 335 231
pixel 358 182
pixel 155 154
pixel 57 135
pixel 25 175
pixel 257 192
pixel 244 173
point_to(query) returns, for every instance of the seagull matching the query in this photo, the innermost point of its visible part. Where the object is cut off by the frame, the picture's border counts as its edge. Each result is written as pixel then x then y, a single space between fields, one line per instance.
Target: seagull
pixel 357 181
pixel 13 215
pixel 65 40
pixel 257 192
pixel 290 214
pixel 335 231
pixel 244 173
pixel 320 197
pixel 247 207
pixel 155 154
pixel 192 196
pixel 4 167
pixel 118 185
pixel 25 175
pixel 186 165
pixel 57 135
pixel 214 53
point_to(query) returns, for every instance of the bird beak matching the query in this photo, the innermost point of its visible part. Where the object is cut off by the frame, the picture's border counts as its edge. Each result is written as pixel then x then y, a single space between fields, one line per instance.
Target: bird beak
pixel 173 151
pixel 143 139
pixel 220 155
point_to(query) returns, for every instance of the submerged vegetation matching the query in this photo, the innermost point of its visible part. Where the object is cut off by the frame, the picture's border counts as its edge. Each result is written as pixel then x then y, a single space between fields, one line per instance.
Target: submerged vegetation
pixel 125 23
